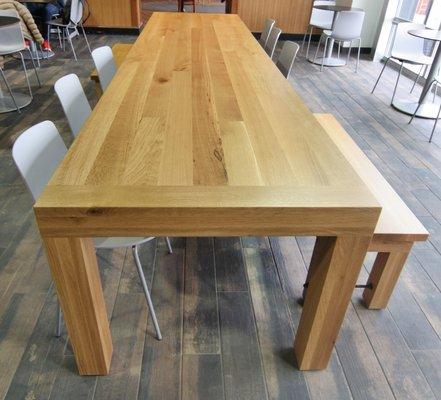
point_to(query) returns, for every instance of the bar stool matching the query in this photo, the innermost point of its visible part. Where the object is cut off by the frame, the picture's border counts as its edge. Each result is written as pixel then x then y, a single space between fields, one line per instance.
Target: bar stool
pixel 105 65
pixel 347 28
pixel 406 49
pixel 436 81
pixel 287 57
pixel 269 25
pixel 182 3
pixel 319 19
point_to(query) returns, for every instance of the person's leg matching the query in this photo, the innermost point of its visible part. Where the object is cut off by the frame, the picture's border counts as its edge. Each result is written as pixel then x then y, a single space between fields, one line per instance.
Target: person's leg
pixel 37 11
pixel 49 11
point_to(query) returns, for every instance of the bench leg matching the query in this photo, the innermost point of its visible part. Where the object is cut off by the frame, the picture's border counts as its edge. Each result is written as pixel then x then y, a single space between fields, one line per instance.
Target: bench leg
pixel 383 278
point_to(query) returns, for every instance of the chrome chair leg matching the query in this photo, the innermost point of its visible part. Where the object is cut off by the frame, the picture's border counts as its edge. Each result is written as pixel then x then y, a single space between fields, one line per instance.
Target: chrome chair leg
pixel 9 90
pixel 146 291
pixel 379 76
pixel 26 73
pixel 170 250
pixel 59 38
pixel 71 44
pixel 434 126
pixel 349 53
pixel 417 78
pixel 35 68
pixel 396 83
pixel 59 321
pixel 324 54
pixel 338 50
pixel 85 38
pixel 309 41
pixel 358 56
pixel 435 92
pixel 318 47
pixel 420 104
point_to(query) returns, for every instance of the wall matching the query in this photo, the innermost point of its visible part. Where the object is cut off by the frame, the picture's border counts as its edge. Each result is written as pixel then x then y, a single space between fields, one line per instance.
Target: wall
pixel 114 13
pixel 292 16
pixel 372 21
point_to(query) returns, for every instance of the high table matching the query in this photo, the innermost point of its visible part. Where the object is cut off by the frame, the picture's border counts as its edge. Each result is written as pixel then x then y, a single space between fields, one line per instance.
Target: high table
pixel 329 60
pixel 22 100
pixel 199 134
pixel 428 109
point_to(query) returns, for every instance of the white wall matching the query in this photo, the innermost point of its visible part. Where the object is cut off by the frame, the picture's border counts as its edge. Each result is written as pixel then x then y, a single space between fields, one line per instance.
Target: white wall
pixel 373 19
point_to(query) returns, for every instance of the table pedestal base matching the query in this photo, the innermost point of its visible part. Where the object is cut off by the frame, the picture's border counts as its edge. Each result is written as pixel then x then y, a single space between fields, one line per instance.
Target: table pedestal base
pixel 328 61
pixel 427 110
pixel 7 104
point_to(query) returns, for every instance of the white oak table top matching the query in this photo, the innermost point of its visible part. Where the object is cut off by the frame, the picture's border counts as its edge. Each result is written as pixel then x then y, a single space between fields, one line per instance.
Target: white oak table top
pixel 198 119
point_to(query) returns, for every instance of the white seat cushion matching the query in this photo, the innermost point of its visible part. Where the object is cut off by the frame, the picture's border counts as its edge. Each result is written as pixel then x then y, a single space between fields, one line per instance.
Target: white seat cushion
pixel 412 58
pixel 116 242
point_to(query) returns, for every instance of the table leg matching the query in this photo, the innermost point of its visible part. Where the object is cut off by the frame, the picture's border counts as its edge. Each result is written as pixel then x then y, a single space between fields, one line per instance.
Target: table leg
pixel 335 267
pixel 384 276
pixel 428 109
pixel 75 272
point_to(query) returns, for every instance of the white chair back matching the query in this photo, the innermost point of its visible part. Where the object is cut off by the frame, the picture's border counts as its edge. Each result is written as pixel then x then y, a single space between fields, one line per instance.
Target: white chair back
pixel 11 36
pixel 348 25
pixel 105 65
pixel 37 153
pixel 287 57
pixel 76 11
pixel 406 43
pixel 272 41
pixel 269 25
pixel 73 100
pixel 322 18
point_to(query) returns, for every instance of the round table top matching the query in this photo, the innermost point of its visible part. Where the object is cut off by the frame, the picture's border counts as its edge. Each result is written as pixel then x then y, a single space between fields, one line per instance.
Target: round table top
pixel 337 8
pixel 429 34
pixel 6 20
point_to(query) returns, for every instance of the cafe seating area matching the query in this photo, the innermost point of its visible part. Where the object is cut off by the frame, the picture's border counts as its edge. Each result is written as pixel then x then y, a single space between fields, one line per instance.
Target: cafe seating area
pixel 220 199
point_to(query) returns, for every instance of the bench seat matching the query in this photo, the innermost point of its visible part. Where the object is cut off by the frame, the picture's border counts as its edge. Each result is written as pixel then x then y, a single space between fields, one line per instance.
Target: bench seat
pixel 397 229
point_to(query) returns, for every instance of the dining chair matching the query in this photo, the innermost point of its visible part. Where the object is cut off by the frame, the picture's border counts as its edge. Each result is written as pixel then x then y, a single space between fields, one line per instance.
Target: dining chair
pixel 287 57
pixel 347 28
pixel 272 41
pixel 105 65
pixel 406 49
pixel 436 81
pixel 70 30
pixel 320 19
pixel 75 105
pixel 37 152
pixel 267 28
pixel 12 42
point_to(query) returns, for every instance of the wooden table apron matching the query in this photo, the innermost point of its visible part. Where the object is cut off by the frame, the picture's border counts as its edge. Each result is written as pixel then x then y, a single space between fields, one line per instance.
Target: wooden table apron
pixel 199 134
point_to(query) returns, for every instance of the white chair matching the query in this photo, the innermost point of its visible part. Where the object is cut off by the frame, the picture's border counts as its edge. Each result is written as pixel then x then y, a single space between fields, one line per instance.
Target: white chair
pixel 436 81
pixel 269 25
pixel 70 30
pixel 12 42
pixel 37 152
pixel 406 49
pixel 272 41
pixel 105 65
pixel 320 19
pixel 287 57
pixel 73 100
pixel 347 28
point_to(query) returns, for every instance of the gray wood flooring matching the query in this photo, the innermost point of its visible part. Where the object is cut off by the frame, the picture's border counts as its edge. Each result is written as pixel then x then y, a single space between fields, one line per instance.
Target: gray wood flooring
pixel 228 306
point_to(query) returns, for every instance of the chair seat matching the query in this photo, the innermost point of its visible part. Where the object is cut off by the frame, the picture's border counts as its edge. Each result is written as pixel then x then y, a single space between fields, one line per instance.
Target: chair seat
pixel 321 25
pixel 328 32
pixel 8 49
pixel 412 58
pixel 59 23
pixel 116 242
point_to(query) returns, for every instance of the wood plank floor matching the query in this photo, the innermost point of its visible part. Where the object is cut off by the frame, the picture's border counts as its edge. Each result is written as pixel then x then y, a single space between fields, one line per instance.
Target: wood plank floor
pixel 228 306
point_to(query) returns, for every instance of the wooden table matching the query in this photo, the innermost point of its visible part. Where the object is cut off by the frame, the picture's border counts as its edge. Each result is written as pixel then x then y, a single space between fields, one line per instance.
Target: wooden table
pixel 199 134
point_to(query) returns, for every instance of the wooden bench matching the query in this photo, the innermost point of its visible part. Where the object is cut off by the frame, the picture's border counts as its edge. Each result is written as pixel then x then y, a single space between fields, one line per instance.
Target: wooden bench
pixel 120 51
pixel 397 229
